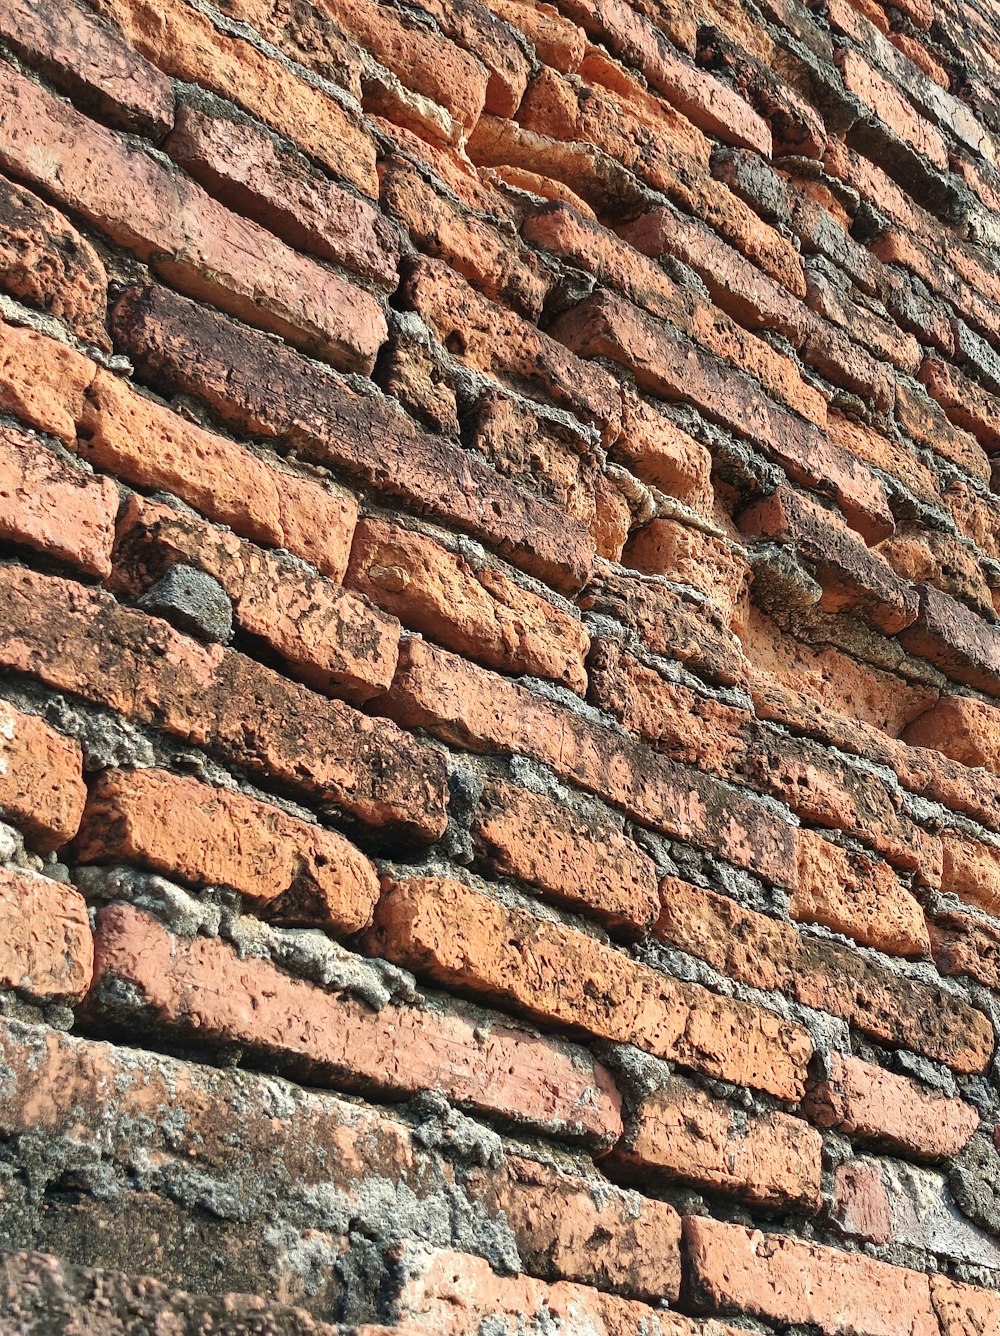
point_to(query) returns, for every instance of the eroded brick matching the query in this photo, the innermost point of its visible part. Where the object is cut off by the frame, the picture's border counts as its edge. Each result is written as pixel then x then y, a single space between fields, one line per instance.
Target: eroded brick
pixel 46 947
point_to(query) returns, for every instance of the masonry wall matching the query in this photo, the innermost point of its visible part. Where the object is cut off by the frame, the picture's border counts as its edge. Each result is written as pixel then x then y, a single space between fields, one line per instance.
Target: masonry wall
pixel 499 659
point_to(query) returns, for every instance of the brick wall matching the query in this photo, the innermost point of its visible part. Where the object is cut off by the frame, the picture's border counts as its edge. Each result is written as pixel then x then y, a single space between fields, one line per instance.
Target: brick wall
pixel 500 667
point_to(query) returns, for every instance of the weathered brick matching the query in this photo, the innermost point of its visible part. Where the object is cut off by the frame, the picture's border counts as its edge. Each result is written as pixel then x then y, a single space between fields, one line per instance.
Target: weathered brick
pixel 890 1112
pixel 861 1203
pixel 667 622
pixel 453 1294
pixel 43 381
pixel 769 954
pixel 46 948
pixel 200 987
pixel 853 577
pixel 472 27
pixel 960 727
pixel 859 896
pixel 971 870
pixel 557 42
pixel 964 1310
pixel 462 939
pixel 249 171
pixel 147 444
pixel 475 610
pixel 678 1133
pixel 51 506
pixel 583 1229
pixel 962 645
pixel 665 364
pixel 923 419
pixel 332 639
pixel 487 254
pixel 90 62
pixel 45 262
pixel 186 236
pixel 658 451
pixel 965 402
pixel 965 945
pixel 270 391
pixel 208 836
pixel 685 555
pixel 488 338
pixel 889 105
pixel 479 710
pixel 737 1270
pixel 184 44
pixel 573 859
pixel 41 779
pixel 82 641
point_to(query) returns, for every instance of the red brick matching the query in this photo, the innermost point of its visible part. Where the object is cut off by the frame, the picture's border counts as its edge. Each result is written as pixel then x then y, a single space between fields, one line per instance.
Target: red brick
pixel 53 507
pixel 487 254
pixel 207 836
pixel 270 391
pixel 606 326
pixel 964 1310
pixel 460 938
pixel 331 638
pixel 668 623
pixel 473 708
pixel 965 945
pixel 971 870
pixel 185 235
pixel 966 729
pixel 573 859
pixel 861 1205
pixel 82 641
pixel 254 493
pixel 654 448
pixel 710 104
pixel 583 1229
pixel 965 403
pixel 891 107
pixel 248 171
pixel 859 896
pixel 45 262
pixel 962 645
pixel 46 948
pixel 488 338
pixel 679 1133
pixel 890 1112
pixel 853 577
pixel 41 779
pixel 714 567
pixel 734 280
pixel 90 61
pixel 42 381
pixel 454 1294
pixel 923 419
pixel 199 987
pixel 184 44
pixel 768 954
pixel 557 42
pixel 476 611
pixel 473 27
pixel 736 1270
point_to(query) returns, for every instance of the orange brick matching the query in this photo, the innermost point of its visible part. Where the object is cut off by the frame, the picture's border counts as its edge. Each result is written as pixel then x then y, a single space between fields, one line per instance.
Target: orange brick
pixel 679 1133
pixel 185 45
pixel 42 381
pixel 717 569
pixel 658 451
pixel 41 779
pixel 243 167
pixel 881 1109
pixel 964 1310
pixel 766 953
pixel 45 262
pixel 46 947
pixel 48 505
pixel 859 896
pixel 477 611
pixel 331 638
pixel 772 1276
pixel 572 859
pixel 466 941
pixel 473 708
pixel 965 402
pixel 90 61
pixel 200 988
pixel 891 107
pixel 971 870
pixel 145 443
pixel 190 239
pixel 81 640
pixel 207 836
pixel 557 42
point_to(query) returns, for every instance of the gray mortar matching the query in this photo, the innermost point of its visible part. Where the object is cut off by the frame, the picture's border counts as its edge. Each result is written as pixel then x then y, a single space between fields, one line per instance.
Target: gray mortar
pixel 438 1126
